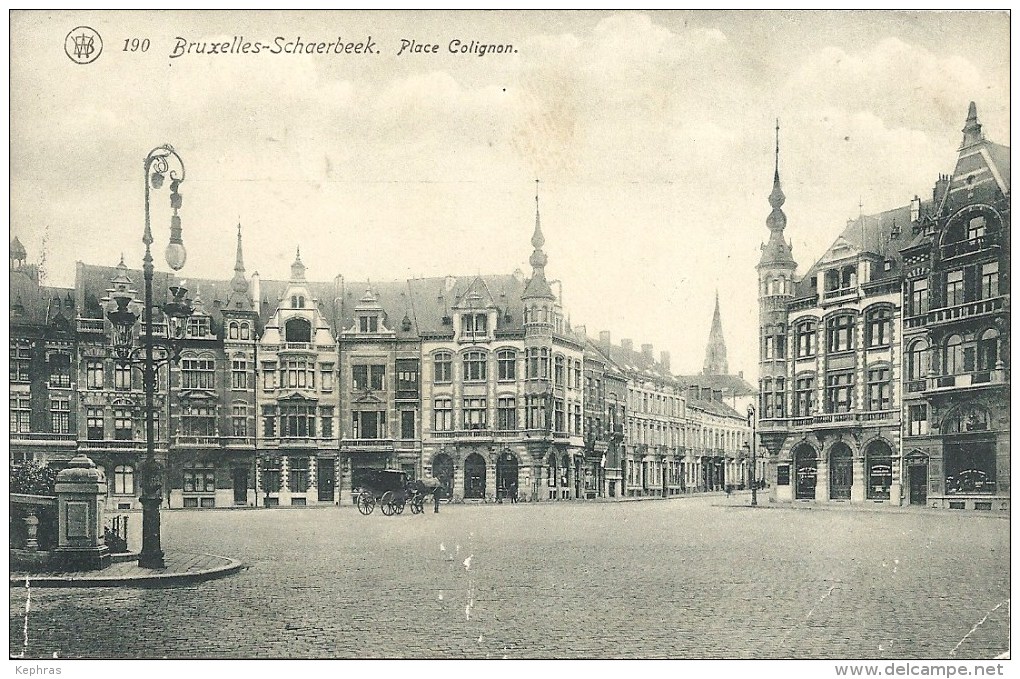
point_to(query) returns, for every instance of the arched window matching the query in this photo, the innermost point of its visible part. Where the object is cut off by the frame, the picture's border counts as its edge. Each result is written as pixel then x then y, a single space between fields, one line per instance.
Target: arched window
pixel 559 369
pixel 507 362
pixel 879 327
pixel 298 330
pixel 234 331
pixel 245 331
pixel 954 355
pixel 966 418
pixel 474 366
pixel 442 367
pixel 917 360
pixel 775 286
pixel 840 333
pixel 806 335
pixel 988 349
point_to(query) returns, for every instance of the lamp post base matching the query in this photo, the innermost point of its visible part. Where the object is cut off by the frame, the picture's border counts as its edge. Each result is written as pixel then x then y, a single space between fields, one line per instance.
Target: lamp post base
pixel 151 555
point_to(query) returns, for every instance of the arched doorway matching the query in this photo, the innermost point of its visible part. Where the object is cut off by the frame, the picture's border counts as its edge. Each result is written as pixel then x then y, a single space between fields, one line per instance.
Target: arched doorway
pixel 442 469
pixel 841 471
pixel 474 477
pixel 805 464
pixel 878 470
pixel 507 474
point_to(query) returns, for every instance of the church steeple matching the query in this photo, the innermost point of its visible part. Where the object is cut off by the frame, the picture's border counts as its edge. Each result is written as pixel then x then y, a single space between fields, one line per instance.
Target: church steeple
pixel 715 352
pixel 776 251
pixel 538 287
pixel 239 298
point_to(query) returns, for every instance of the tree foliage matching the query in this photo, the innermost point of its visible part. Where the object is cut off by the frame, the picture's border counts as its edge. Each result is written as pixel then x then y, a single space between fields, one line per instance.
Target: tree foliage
pixel 33 479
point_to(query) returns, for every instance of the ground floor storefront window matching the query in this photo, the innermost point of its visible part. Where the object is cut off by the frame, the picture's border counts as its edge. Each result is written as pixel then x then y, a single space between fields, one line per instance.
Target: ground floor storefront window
pixel 970 467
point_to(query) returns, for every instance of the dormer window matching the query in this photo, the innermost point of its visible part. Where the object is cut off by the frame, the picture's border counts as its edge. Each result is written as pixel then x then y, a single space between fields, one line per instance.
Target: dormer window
pixel 368 323
pixel 474 325
pixel 298 330
pixel 297 301
pixel 198 327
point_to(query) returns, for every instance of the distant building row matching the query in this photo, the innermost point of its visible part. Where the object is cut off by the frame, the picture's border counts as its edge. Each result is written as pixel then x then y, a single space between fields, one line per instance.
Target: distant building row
pixel 289 392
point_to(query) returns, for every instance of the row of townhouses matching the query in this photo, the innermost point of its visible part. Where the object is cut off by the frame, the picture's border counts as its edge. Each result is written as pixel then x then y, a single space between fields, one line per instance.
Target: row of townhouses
pixel 884 369
pixel 288 392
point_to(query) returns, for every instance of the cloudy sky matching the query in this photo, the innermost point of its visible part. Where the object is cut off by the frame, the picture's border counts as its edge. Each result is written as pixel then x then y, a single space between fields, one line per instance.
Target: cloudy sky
pixel 652 135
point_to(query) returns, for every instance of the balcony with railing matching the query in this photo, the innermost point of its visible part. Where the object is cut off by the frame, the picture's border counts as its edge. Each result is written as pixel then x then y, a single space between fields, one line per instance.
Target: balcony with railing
pixel 957 312
pixel 826 420
pixel 118 444
pixel 197 441
pixel 367 445
pixel 42 437
pixel 976 378
pixel 840 294
pixel 965 247
pixel 91 325
pixel 463 434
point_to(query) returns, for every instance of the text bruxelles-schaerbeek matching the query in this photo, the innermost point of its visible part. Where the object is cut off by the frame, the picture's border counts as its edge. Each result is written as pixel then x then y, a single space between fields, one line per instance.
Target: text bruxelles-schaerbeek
pixel 283 45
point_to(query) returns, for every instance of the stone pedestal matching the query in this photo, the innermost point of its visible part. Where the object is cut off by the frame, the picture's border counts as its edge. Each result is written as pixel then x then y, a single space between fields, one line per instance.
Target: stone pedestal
pixel 80 493
pixel 895 495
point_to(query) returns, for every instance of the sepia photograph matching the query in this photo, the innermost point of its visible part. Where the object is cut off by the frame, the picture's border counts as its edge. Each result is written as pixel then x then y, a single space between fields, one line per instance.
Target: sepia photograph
pixel 420 335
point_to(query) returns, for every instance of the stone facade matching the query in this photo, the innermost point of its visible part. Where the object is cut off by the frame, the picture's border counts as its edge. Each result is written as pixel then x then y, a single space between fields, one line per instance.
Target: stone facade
pixel 853 374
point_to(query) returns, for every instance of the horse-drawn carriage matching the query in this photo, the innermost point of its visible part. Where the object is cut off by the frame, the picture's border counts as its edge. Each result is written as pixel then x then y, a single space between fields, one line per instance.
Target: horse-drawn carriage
pixel 392 491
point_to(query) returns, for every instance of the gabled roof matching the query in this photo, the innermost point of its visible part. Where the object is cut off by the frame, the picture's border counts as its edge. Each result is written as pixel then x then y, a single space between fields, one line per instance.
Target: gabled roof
pixel 730 385
pixel 881 235
pixel 432 299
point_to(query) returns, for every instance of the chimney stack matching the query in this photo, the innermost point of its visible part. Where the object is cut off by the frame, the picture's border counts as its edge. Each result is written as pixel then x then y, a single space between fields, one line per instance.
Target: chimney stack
pixel 664 359
pixel 627 344
pixel 706 393
pixel 940 189
pixel 646 351
pixel 740 374
pixel 256 292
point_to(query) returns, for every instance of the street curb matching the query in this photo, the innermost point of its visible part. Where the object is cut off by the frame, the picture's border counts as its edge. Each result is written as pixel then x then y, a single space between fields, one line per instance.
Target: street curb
pixel 148 580
pixel 872 510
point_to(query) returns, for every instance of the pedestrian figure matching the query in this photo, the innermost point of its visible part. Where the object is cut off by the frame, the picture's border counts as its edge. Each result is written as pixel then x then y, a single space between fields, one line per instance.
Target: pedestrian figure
pixel 513 493
pixel 435 500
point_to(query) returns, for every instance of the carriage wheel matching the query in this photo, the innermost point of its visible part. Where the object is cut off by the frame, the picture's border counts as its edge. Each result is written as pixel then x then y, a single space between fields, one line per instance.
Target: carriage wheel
pixel 398 505
pixel 366 503
pixel 417 504
pixel 386 501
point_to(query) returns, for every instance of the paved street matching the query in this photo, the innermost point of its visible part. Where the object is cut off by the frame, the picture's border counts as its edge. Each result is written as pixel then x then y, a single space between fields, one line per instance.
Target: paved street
pixel 673 579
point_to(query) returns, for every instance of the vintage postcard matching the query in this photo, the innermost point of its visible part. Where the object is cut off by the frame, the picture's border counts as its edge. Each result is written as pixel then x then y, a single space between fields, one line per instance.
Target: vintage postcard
pixel 511 335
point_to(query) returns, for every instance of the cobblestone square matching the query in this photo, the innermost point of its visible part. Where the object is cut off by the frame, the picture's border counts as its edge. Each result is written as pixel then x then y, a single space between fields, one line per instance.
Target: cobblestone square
pixel 687 578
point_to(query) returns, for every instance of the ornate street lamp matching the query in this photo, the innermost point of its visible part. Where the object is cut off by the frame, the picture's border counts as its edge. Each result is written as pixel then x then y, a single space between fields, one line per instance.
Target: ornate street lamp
pixel 160 163
pixel 752 422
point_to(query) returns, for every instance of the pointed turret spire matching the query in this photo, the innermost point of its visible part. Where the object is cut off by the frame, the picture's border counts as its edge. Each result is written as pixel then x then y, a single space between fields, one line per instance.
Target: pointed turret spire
pixel 18 253
pixel 715 352
pixel 238 299
pixel 776 251
pixel 972 129
pixel 297 269
pixel 121 279
pixel 538 286
pixel 239 283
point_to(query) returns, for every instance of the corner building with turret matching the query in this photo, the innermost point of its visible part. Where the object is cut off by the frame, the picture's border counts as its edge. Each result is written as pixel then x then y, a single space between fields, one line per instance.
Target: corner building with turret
pixel 874 363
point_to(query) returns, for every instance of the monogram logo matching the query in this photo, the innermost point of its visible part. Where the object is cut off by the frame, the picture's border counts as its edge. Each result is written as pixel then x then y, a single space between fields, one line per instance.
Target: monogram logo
pixel 83 45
